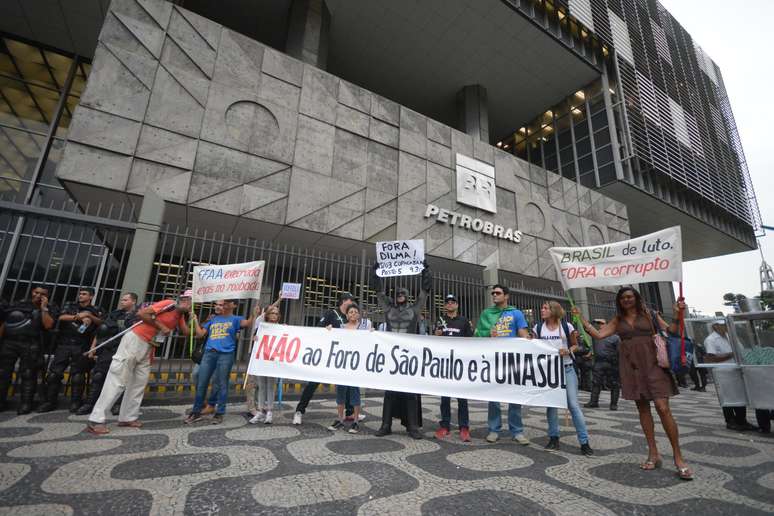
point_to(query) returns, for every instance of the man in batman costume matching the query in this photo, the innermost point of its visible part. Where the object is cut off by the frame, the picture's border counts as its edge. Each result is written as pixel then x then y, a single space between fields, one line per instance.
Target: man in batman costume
pixel 402 317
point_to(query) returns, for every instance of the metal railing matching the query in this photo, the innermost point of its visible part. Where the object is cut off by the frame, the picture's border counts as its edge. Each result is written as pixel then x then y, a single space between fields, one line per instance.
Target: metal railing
pixel 76 249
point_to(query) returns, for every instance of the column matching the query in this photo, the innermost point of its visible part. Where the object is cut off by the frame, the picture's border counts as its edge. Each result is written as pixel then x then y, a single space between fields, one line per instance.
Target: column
pixel 308 32
pixel 143 252
pixel 472 112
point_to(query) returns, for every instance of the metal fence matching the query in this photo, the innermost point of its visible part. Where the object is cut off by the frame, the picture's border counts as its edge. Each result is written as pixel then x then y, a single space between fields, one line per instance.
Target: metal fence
pixel 69 250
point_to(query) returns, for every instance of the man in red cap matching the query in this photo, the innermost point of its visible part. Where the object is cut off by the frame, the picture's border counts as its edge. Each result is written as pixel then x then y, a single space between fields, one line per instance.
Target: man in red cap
pixel 130 367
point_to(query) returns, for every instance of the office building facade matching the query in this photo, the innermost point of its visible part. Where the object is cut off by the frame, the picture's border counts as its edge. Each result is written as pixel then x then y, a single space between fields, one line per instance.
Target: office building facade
pixel 142 137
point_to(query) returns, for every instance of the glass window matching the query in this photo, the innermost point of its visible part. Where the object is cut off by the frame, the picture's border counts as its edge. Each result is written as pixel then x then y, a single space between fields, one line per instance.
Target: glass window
pixel 19 152
pixel 599 120
pixel 19 106
pixel 606 174
pixel 568 171
pixel 566 155
pixel 583 146
pixel 605 155
pixel 601 138
pixel 586 164
pixel 581 129
pixel 587 180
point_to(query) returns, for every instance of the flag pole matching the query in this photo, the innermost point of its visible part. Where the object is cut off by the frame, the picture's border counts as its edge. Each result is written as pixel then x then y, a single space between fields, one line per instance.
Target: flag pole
pixel 191 328
pixel 681 318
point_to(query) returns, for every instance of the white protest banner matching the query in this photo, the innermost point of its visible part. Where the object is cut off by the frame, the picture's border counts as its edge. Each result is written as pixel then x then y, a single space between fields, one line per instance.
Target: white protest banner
pixel 234 281
pixel 508 370
pixel 654 257
pixel 291 291
pixel 400 258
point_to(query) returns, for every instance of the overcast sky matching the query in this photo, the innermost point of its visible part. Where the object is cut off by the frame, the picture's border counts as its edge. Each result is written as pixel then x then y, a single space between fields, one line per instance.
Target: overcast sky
pixel 738 37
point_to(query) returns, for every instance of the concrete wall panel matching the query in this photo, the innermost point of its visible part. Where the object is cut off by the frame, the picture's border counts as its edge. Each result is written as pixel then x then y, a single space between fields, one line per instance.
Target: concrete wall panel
pixel 209 118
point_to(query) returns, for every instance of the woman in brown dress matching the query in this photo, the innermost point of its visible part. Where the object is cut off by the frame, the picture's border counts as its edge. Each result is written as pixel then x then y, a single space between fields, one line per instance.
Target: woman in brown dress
pixel 642 380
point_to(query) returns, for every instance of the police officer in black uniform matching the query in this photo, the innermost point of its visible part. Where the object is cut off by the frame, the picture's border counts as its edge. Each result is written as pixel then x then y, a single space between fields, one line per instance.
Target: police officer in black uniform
pixel 78 322
pixel 115 322
pixel 605 369
pixel 21 327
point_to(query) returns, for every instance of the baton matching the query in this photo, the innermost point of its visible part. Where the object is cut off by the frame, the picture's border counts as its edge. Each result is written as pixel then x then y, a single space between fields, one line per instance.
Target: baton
pixel 111 339
pixel 114 337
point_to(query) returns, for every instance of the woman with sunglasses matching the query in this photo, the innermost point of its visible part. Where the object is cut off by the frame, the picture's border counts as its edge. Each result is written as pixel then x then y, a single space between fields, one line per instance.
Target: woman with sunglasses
pixel 642 380
pixel 554 329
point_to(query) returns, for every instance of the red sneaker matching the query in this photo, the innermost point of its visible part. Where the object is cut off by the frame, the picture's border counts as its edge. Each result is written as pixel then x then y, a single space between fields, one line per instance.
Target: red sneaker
pixel 465 435
pixel 441 433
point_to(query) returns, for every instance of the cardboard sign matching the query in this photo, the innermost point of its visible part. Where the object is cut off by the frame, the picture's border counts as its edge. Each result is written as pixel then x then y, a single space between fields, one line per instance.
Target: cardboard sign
pixel 234 281
pixel 400 258
pixel 291 291
pixel 654 257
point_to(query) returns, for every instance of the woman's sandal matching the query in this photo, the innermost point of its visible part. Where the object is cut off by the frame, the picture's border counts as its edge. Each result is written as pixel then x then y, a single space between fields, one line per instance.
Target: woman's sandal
pixel 685 473
pixel 650 465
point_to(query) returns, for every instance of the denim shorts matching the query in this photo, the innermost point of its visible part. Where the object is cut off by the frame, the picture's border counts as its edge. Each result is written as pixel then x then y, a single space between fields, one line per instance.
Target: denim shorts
pixel 342 391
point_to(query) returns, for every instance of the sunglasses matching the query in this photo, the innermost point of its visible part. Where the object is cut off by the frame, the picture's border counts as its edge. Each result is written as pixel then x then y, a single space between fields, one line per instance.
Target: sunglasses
pixel 496 293
pixel 451 301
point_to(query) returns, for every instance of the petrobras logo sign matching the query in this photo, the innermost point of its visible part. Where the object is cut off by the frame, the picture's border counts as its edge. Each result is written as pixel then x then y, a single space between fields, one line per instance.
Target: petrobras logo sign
pixel 461 220
pixel 476 184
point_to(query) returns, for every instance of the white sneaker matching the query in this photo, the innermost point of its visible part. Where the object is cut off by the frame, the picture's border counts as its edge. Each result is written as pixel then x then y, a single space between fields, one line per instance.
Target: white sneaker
pixel 257 418
pixel 267 420
pixel 361 417
pixel 297 418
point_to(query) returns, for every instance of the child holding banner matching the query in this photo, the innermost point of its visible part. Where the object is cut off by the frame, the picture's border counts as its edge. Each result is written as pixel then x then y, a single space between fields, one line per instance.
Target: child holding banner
pixel 346 393
pixel 553 328
pixel 642 380
pixel 265 385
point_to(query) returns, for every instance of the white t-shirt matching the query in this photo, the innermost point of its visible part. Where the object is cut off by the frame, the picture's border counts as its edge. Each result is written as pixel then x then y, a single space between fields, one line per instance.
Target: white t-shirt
pixel 556 337
pixel 716 344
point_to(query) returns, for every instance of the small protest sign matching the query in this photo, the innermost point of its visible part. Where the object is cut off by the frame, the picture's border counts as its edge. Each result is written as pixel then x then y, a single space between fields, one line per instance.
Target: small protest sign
pixel 654 257
pixel 233 281
pixel 400 258
pixel 291 291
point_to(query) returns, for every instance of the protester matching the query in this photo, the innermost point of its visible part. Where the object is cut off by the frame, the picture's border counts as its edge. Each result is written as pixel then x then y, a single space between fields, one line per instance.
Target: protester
pixel 503 320
pixel 402 317
pixel 452 324
pixel 336 318
pixel 115 322
pixel 605 372
pixel 642 380
pixel 698 374
pixel 560 333
pixel 265 385
pixel 346 393
pixel 21 327
pixel 718 350
pixel 219 350
pixel 196 356
pixel 77 324
pixel 130 368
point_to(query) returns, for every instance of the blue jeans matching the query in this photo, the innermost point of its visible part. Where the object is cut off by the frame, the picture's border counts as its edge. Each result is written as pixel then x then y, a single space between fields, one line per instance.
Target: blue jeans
pixel 578 421
pixel 219 364
pixel 462 412
pixel 347 395
pixel 213 400
pixel 494 420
